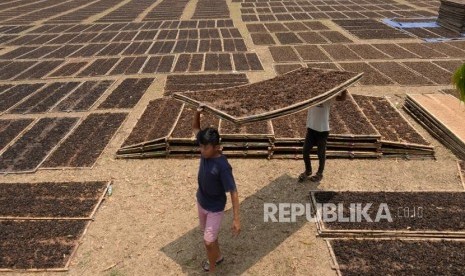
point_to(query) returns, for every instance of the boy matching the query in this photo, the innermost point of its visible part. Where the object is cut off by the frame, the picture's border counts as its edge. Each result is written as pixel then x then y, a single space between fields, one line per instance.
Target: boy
pixel 215 179
pixel 317 134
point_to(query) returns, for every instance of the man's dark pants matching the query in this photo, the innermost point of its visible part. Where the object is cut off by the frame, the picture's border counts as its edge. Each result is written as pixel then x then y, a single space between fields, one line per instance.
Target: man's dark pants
pixel 318 139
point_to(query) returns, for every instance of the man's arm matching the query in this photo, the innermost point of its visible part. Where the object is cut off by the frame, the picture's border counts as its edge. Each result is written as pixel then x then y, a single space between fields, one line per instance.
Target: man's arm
pixel 342 96
pixel 196 120
pixel 236 226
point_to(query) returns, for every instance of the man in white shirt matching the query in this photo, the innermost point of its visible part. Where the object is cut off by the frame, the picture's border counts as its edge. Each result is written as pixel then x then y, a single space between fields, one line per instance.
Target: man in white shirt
pixel 317 135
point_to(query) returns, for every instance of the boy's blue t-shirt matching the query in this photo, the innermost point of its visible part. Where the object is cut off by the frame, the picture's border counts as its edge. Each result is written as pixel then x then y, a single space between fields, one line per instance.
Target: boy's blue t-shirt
pixel 215 180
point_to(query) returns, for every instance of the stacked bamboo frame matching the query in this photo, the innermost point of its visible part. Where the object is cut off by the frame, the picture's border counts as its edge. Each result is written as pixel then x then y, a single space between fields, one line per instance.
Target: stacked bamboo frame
pixel 180 141
pixel 452 15
pixel 404 146
pixel 352 135
pixel 149 138
pixel 442 116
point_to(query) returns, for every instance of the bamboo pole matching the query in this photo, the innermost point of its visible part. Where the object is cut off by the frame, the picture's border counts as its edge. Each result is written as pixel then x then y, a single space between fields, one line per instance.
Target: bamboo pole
pixel 331 234
pixel 333 145
pixel 144 155
pixel 408 157
pixel 393 232
pixel 406 145
pixel 142 148
pixel 190 140
pixel 333 258
pixel 334 137
pixel 320 225
pixel 154 141
pixel 34 270
pixel 390 152
pixel 100 200
pixel 44 218
pixel 245 145
pixel 184 155
pixel 298 156
pixel 76 246
pixel 406 151
pixel 418 239
pixel 461 173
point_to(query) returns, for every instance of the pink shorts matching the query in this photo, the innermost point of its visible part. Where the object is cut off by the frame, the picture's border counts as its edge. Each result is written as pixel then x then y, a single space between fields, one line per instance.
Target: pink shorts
pixel 210 223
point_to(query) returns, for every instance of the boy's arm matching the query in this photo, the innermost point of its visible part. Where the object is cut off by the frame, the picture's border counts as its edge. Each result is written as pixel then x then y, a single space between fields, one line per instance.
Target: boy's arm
pixel 196 120
pixel 236 225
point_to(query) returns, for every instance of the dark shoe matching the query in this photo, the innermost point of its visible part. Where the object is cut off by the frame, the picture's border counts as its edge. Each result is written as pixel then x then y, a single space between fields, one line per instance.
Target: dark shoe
pixel 303 176
pixel 206 264
pixel 316 178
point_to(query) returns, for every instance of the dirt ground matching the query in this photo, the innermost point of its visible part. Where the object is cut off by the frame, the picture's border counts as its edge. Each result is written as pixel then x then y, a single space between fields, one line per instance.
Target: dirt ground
pixel 149 225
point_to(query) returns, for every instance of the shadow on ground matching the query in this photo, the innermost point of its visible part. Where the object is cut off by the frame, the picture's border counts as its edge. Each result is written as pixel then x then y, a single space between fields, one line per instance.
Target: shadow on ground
pixel 257 239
